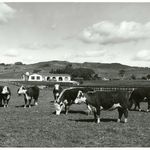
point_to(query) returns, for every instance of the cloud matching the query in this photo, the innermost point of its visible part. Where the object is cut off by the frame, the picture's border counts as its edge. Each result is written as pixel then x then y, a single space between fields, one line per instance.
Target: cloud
pixel 11 53
pixel 6 13
pixel 142 55
pixel 106 32
pixel 39 46
pixel 89 55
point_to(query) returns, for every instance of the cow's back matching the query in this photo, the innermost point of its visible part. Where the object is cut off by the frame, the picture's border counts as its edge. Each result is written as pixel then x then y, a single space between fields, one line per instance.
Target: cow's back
pixel 33 91
pixel 70 94
pixel 108 99
pixel 140 93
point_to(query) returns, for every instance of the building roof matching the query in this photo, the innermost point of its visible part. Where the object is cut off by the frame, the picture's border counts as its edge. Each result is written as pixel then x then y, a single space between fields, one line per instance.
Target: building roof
pixel 58 74
pixel 35 74
pixel 48 74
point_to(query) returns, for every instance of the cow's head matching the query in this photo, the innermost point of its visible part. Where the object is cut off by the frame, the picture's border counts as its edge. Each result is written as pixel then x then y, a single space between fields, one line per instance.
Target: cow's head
pixel 59 107
pixel 6 94
pixel 5 90
pixel 56 86
pixel 21 90
pixel 57 90
pixel 80 98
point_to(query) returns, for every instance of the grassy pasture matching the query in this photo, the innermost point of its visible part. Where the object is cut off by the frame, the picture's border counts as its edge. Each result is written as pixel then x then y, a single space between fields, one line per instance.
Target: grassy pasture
pixel 40 127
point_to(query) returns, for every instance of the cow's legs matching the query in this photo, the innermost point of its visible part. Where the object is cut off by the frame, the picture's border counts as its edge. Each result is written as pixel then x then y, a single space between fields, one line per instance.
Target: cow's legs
pixel 66 109
pixel 89 109
pixel 138 105
pixel 30 102
pixel 148 105
pixel 125 111
pixel 5 103
pixel 25 103
pixel 135 105
pixel 1 101
pixel 35 102
pixel 120 111
pixel 97 115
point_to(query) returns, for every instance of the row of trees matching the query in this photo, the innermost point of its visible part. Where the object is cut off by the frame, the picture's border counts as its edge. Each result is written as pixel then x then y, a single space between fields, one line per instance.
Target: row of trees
pixel 84 73
pixel 122 72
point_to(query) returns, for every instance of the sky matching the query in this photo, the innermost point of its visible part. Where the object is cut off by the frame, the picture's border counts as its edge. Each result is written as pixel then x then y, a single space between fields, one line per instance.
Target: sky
pixel 100 32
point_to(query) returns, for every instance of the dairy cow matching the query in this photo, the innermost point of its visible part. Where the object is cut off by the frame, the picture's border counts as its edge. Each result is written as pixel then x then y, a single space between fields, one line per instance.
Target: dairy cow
pixel 110 100
pixel 29 94
pixel 68 97
pixel 140 95
pixel 5 95
pixel 56 91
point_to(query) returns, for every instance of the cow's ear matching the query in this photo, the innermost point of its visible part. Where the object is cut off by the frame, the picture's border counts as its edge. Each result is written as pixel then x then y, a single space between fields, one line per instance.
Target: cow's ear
pixel 23 88
pixel 65 102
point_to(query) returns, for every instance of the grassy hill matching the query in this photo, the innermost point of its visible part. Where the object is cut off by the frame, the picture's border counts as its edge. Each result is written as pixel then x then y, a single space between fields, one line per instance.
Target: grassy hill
pixel 103 69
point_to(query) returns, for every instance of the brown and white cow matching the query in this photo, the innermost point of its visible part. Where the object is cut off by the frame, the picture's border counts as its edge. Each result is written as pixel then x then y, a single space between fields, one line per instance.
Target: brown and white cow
pixel 5 95
pixel 29 94
pixel 102 100
pixel 56 91
pixel 140 95
pixel 68 97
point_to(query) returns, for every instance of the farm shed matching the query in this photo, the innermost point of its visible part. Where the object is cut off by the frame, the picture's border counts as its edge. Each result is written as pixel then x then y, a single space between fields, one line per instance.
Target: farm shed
pixel 59 77
pixel 35 77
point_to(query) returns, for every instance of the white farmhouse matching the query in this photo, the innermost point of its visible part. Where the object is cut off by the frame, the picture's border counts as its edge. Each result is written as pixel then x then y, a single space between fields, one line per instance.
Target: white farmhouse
pixel 35 77
pixel 49 77
pixel 58 77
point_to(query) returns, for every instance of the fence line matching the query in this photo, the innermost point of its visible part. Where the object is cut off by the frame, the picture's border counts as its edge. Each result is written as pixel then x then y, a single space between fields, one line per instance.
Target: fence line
pixel 105 88
pixel 113 88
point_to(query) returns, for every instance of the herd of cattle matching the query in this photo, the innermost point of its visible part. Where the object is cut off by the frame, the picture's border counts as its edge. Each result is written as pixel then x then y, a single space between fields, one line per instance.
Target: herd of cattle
pixel 95 100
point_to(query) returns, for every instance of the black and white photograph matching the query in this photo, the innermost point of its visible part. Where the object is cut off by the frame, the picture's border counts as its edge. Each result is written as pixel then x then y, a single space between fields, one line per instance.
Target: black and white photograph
pixel 74 74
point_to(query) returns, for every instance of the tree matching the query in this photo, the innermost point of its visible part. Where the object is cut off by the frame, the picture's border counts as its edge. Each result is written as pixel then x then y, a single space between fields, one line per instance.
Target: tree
pixel 36 70
pixel 144 78
pixel 148 76
pixel 85 73
pixel 133 77
pixel 18 63
pixel 121 73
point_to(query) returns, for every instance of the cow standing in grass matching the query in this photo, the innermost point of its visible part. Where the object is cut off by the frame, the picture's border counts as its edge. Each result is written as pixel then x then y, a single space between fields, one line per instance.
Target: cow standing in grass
pixel 56 91
pixel 29 94
pixel 140 95
pixel 68 97
pixel 110 100
pixel 5 95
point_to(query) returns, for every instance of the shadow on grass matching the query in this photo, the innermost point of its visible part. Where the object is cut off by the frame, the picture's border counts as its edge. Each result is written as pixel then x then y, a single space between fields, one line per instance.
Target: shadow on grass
pixel 72 112
pixel 137 110
pixel 23 106
pixel 52 101
pixel 92 120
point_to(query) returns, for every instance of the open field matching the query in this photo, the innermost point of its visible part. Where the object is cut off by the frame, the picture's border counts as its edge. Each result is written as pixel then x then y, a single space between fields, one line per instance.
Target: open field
pixel 40 127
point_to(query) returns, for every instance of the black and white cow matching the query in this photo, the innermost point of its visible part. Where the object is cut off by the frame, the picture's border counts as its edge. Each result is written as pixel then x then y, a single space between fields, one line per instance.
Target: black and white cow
pixel 110 100
pixel 5 95
pixel 56 91
pixel 29 94
pixel 68 97
pixel 140 95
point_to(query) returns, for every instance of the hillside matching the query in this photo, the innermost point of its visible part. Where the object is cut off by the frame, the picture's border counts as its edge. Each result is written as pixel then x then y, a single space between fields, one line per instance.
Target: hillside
pixel 102 69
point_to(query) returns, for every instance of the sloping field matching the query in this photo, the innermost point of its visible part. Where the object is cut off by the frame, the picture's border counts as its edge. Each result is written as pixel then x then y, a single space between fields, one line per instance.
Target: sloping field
pixel 40 127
